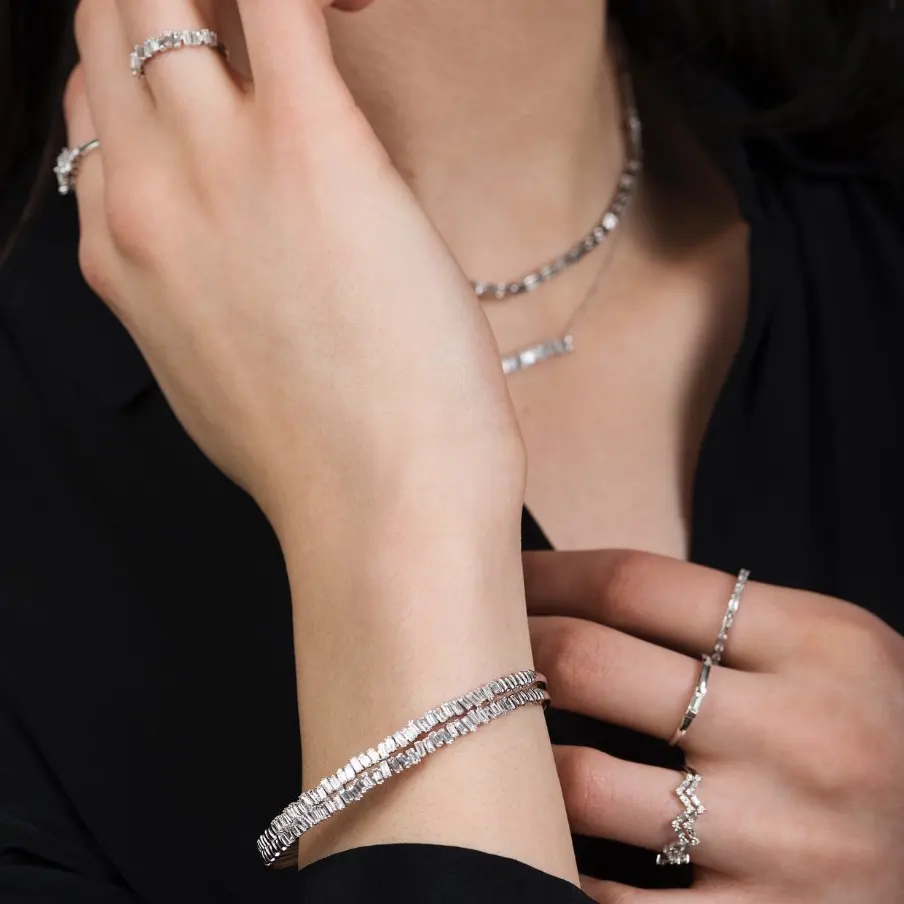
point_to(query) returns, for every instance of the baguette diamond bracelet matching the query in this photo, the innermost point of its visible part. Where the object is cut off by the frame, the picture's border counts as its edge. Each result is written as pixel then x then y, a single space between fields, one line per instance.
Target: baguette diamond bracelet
pixel 278 845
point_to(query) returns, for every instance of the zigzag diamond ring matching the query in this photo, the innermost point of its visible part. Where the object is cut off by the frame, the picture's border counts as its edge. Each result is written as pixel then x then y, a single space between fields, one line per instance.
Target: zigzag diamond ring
pixel 678 852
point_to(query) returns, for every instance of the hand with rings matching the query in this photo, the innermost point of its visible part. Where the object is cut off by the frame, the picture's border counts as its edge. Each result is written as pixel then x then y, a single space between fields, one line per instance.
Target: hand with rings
pixel 794 789
pixel 278 275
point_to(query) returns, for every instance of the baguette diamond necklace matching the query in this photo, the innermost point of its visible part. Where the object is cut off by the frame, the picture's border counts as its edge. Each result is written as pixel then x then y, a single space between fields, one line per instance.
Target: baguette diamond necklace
pixel 564 344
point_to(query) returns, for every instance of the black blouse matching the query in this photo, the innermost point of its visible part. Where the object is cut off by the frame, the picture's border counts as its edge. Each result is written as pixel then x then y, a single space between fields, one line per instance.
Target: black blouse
pixel 148 724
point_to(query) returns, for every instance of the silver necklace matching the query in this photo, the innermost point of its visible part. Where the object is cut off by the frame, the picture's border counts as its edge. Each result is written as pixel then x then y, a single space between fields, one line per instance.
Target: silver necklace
pixel 527 357
pixel 607 224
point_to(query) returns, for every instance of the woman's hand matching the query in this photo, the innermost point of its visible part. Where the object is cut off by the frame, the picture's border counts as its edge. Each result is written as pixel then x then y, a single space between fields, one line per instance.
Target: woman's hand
pixel 799 740
pixel 317 339
pixel 309 327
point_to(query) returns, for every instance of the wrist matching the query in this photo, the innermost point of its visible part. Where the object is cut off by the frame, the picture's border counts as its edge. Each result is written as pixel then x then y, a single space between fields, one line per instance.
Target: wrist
pixel 468 495
pixel 429 586
pixel 444 547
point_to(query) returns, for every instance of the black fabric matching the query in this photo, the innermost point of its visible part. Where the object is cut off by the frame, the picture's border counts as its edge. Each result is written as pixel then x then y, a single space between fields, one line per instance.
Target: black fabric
pixel 148 727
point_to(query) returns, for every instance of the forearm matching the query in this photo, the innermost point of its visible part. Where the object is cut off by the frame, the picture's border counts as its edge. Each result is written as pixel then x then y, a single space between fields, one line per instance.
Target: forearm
pixel 423 602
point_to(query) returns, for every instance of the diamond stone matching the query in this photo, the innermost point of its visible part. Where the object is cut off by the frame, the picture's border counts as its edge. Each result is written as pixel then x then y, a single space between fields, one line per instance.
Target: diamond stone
pixel 63 170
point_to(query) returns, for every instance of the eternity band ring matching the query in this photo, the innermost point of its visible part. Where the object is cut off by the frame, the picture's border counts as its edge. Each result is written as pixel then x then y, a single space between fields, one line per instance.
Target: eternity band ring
pixel 693 708
pixel 730 613
pixel 67 165
pixel 173 40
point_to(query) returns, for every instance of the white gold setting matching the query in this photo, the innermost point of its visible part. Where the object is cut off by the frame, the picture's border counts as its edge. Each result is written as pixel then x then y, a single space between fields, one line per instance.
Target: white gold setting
pixel 397 752
pixel 693 708
pixel 172 40
pixel 609 219
pixel 678 852
pixel 534 354
pixel 67 165
pixel 728 620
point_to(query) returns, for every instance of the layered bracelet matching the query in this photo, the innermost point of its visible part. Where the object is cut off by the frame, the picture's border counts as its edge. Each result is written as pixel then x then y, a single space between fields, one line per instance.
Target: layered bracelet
pixel 397 752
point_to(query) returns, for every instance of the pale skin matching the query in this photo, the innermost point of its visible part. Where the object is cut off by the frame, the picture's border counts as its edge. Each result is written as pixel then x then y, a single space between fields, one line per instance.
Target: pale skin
pixel 267 316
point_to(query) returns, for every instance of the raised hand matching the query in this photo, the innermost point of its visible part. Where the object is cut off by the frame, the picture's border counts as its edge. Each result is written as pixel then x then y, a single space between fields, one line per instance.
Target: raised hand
pixel 306 322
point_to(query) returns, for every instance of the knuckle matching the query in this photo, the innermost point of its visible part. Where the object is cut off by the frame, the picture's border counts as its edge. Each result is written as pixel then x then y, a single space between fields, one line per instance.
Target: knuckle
pixel 127 226
pixel 861 759
pixel 569 652
pixel 622 578
pixel 85 19
pixel 74 92
pixel 854 641
pixel 586 785
pixel 822 852
pixel 869 640
pixel 829 775
pixel 95 263
pixel 134 216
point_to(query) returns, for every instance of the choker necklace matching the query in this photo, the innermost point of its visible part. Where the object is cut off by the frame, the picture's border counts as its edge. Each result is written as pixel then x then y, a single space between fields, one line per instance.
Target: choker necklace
pixel 624 193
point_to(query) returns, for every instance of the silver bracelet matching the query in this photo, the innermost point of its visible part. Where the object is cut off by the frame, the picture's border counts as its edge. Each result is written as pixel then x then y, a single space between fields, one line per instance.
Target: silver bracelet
pixel 399 751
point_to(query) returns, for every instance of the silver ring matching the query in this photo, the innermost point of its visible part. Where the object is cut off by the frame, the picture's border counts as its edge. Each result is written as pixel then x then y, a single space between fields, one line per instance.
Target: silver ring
pixel 678 852
pixel 693 708
pixel 730 613
pixel 173 40
pixel 67 165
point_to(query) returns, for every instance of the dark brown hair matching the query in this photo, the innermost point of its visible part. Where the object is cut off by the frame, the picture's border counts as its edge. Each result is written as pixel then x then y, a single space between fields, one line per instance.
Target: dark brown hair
pixel 828 72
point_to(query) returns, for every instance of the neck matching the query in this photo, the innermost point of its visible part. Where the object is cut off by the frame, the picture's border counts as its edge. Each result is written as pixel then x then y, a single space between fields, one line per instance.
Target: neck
pixel 504 117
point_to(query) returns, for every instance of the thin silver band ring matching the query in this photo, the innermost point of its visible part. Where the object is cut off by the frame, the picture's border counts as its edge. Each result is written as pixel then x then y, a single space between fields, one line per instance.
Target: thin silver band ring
pixel 730 613
pixel 693 708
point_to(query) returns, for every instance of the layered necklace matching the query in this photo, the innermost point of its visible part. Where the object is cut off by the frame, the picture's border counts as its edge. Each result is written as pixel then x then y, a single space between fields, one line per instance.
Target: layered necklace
pixel 602 229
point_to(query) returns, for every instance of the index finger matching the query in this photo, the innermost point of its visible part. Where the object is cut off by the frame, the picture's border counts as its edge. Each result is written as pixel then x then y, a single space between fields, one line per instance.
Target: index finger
pixel 289 48
pixel 119 109
pixel 664 600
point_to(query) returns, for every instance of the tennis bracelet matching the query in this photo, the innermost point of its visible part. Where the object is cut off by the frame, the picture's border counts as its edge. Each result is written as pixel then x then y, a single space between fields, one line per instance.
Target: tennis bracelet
pixel 399 751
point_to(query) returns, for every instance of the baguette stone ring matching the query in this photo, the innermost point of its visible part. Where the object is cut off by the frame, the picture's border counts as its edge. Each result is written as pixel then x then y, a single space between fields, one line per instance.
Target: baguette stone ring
pixel 693 708
pixel 173 40
pixel 67 165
